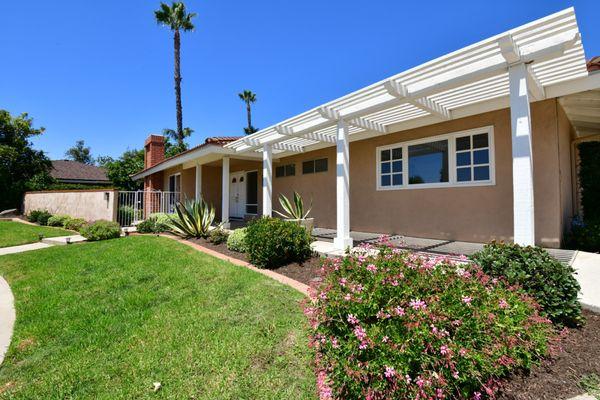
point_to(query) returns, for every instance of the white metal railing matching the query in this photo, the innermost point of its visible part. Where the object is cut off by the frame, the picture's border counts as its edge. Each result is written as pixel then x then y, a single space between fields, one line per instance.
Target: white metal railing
pixel 135 206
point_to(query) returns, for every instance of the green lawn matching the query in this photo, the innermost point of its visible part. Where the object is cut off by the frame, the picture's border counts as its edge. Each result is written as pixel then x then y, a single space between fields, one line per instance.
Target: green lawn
pixel 104 320
pixel 16 233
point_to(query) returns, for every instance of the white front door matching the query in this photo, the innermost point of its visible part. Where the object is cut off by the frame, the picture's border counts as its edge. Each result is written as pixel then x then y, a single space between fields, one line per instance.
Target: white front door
pixel 237 194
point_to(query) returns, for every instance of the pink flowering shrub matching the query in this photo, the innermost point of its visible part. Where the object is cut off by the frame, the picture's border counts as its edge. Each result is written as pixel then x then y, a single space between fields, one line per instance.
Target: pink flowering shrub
pixel 399 326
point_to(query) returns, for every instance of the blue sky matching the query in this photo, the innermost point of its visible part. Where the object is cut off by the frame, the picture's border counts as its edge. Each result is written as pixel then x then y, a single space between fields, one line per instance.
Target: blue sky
pixel 103 71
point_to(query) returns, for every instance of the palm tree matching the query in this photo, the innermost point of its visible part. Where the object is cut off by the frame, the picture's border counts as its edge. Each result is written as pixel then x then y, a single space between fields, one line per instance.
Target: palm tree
pixel 248 97
pixel 176 18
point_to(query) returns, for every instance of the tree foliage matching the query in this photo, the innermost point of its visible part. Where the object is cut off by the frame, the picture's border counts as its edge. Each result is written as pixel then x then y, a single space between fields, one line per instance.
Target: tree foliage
pixel 80 153
pixel 172 144
pixel 119 171
pixel 248 97
pixel 19 162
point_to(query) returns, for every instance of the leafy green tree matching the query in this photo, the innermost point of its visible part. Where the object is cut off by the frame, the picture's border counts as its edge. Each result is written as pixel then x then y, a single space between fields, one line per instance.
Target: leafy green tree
pixel 177 19
pixel 80 153
pixel 19 162
pixel 119 171
pixel 248 97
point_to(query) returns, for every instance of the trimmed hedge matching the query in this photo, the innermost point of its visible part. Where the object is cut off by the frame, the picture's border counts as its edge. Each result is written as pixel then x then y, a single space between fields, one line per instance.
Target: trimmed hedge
pixel 546 279
pixel 218 236
pixel 401 326
pixel 101 230
pixel 58 220
pixel 75 224
pixel 272 242
pixel 39 216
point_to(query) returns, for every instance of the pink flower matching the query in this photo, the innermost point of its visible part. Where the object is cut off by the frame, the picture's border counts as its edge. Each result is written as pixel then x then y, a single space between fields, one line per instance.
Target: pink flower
pixel 385 339
pixel 371 268
pixel 360 333
pixel 502 303
pixel 420 382
pixel 462 352
pixel 399 311
pixel 455 374
pixel 418 304
pixel 342 282
pixel 408 379
pixel 444 350
pixel 352 319
pixel 390 372
pixel 477 396
pixel 467 299
pixel 348 297
pixel 334 343
pixel 363 345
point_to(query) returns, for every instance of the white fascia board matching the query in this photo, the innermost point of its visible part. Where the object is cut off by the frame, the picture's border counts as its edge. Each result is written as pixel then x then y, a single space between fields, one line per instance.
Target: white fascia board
pixel 191 156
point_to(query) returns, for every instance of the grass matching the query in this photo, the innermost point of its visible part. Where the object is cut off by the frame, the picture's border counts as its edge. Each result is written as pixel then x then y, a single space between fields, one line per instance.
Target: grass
pixel 591 385
pixel 105 320
pixel 16 233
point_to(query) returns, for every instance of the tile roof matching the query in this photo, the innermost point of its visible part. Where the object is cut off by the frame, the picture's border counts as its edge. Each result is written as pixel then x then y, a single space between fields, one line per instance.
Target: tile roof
pixel 67 170
pixel 593 64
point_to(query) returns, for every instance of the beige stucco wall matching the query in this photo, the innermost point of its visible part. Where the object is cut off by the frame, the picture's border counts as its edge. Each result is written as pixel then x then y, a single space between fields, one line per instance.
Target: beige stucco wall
pixel 90 205
pixel 477 214
pixel 566 134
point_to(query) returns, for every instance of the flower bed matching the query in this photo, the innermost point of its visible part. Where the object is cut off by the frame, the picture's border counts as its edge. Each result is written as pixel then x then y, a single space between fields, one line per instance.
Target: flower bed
pixel 397 326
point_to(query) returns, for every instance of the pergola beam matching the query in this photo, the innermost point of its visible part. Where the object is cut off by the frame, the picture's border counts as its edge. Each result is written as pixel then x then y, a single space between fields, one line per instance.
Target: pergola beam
pixel 276 146
pixel 399 91
pixel 359 122
pixel 511 54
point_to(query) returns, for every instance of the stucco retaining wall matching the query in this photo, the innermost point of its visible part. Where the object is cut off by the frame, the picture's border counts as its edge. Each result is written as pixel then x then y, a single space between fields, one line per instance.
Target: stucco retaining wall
pixel 90 205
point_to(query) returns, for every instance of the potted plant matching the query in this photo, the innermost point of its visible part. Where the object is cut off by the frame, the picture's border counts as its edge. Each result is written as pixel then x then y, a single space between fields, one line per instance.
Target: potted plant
pixel 295 212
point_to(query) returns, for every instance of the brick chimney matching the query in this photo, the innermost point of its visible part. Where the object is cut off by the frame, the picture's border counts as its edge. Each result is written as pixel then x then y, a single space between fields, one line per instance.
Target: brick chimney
pixel 154 150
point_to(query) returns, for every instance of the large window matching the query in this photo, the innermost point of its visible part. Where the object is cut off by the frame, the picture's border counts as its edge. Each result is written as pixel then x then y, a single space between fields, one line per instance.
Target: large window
pixel 252 192
pixel 312 166
pixel 457 159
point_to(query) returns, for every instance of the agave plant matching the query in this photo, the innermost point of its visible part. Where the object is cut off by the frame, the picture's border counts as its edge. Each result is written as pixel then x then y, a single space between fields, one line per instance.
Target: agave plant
pixel 193 219
pixel 293 210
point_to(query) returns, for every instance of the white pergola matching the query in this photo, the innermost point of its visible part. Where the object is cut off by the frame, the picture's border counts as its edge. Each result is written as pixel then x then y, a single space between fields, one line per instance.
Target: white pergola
pixel 540 60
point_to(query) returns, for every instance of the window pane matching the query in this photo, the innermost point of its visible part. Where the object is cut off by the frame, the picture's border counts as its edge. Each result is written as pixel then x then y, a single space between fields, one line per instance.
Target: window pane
pixel 463 174
pixel 463 158
pixel 481 173
pixel 385 168
pixel 397 153
pixel 397 179
pixel 308 167
pixel 480 140
pixel 252 189
pixel 290 170
pixel 428 162
pixel 321 165
pixel 385 180
pixel 397 166
pixel 463 143
pixel 385 155
pixel 481 157
pixel 279 171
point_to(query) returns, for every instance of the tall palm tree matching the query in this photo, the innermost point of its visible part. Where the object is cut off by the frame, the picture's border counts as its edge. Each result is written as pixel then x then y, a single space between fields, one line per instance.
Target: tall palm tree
pixel 176 18
pixel 248 97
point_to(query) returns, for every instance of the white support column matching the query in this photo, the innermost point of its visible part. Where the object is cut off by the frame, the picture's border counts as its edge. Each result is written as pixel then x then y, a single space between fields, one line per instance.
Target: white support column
pixel 225 193
pixel 343 239
pixel 520 113
pixel 198 182
pixel 267 180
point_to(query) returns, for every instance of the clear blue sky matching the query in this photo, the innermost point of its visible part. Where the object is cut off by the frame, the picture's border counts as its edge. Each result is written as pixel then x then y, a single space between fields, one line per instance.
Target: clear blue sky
pixel 102 71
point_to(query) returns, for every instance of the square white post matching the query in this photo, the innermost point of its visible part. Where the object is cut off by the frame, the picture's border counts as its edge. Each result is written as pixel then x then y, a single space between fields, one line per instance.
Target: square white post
pixel 342 240
pixel 198 181
pixel 267 180
pixel 225 193
pixel 520 114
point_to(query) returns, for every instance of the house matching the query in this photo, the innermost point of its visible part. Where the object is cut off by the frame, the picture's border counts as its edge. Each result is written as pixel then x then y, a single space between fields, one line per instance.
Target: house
pixel 73 172
pixel 475 145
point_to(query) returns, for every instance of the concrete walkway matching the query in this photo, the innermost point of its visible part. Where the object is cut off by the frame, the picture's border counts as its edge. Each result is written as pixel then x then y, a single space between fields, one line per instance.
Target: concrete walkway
pixel 587 266
pixel 7 317
pixel 22 248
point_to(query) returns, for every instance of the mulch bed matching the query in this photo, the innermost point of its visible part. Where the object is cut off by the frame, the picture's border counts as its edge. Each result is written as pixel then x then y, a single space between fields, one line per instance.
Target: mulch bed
pixel 557 378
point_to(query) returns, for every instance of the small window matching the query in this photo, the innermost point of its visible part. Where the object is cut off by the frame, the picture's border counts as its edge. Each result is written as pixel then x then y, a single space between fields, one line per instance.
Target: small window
pixel 473 158
pixel 390 167
pixel 285 170
pixel 313 166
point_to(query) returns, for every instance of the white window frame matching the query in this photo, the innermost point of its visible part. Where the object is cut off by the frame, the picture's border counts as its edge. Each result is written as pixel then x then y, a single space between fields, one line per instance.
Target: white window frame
pixel 452 181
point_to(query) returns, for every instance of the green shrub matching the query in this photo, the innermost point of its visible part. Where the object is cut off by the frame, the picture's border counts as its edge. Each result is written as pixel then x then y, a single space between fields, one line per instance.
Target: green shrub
pixel 155 223
pixel 101 230
pixel 75 224
pixel 34 215
pixel 272 242
pixel 237 240
pixel 218 236
pixel 401 326
pixel 58 220
pixel 146 226
pixel 546 279
pixel 584 236
pixel 43 217
pixel 194 218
